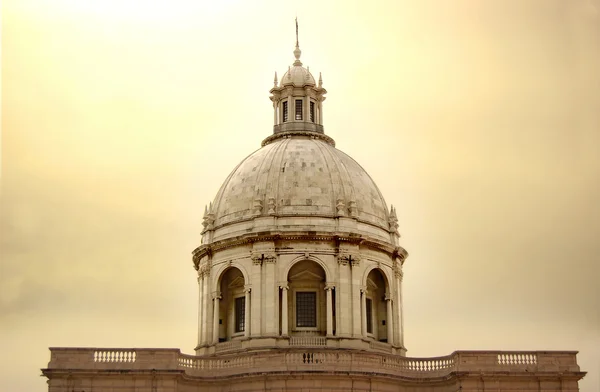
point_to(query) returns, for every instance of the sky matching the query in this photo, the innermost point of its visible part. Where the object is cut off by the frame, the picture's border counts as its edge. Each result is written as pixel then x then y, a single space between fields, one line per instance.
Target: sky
pixel 479 121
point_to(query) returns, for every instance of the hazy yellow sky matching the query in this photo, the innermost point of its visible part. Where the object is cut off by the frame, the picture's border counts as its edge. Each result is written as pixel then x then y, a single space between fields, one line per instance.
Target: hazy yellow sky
pixel 479 120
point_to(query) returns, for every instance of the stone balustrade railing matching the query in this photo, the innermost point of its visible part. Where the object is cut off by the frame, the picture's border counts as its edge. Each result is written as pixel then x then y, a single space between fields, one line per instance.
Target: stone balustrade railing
pixel 308 341
pixel 314 359
pixel 228 346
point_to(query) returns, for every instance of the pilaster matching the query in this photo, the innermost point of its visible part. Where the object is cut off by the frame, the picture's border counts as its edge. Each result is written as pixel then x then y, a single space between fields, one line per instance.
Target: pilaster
pixel 344 322
pixel 284 309
pixel 256 281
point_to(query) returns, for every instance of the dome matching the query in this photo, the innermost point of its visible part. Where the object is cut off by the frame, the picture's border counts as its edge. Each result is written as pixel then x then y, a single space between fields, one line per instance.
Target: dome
pixel 308 181
pixel 298 76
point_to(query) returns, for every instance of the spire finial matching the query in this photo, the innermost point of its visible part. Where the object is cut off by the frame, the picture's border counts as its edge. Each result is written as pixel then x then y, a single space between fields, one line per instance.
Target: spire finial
pixel 320 80
pixel 275 79
pixel 297 44
pixel 297 51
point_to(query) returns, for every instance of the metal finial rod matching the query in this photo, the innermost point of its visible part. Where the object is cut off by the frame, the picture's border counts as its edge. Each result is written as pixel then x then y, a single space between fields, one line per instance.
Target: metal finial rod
pixel 297 45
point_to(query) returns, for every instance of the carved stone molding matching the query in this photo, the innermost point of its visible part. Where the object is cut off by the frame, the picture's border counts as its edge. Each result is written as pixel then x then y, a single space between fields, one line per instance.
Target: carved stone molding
pixel 398 271
pixel 352 259
pixel 271 206
pixel 340 206
pixel 217 295
pixel 203 269
pixel 393 220
pixel 258 206
pixel 399 254
pixel 301 236
pixel 266 257
pixel 208 219
pixel 352 208
pixel 329 286
pixel 199 254
pixel 247 289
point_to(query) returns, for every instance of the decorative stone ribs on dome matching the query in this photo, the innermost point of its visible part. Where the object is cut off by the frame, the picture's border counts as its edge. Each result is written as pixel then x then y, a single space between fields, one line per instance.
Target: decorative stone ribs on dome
pixel 299 177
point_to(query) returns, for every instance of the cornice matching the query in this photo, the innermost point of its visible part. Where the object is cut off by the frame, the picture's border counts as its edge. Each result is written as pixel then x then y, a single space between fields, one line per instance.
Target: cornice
pixel 248 239
pixel 288 215
pixel 289 134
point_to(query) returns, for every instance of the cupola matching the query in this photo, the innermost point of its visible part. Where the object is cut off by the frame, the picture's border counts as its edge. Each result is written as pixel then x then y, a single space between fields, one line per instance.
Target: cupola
pixel 297 99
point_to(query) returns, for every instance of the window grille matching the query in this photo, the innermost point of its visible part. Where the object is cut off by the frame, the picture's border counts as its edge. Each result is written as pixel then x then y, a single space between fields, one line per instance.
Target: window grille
pixel 369 315
pixel 285 111
pixel 306 309
pixel 312 111
pixel 240 314
pixel 298 109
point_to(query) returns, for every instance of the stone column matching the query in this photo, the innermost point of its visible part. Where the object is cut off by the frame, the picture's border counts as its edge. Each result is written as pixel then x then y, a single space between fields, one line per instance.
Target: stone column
pixel 247 317
pixel 320 112
pixel 271 294
pixel 216 299
pixel 389 320
pixel 356 277
pixel 275 108
pixel 328 289
pixel 344 324
pixel 205 309
pixel 399 311
pixel 256 281
pixel 363 305
pixel 306 107
pixel 284 310
pixel 200 306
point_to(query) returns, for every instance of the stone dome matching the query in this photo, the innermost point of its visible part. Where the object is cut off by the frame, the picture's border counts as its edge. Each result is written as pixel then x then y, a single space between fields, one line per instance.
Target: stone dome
pixel 297 76
pixel 308 181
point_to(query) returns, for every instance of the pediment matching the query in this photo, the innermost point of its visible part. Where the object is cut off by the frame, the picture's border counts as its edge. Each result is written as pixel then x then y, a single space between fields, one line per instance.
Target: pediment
pixel 237 282
pixel 306 275
pixel 371 284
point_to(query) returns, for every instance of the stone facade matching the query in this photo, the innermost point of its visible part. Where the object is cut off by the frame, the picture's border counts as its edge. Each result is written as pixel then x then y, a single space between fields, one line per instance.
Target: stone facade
pixel 343 272
pixel 300 286
pixel 308 369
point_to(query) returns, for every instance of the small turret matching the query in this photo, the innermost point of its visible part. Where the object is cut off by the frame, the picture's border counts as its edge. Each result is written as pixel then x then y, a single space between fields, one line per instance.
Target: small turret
pixel 297 100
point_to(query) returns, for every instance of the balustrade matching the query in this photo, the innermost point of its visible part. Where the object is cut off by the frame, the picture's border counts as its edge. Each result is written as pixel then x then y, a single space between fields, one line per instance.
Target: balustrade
pixel 114 356
pixel 517 359
pixel 308 341
pixel 318 359
pixel 227 346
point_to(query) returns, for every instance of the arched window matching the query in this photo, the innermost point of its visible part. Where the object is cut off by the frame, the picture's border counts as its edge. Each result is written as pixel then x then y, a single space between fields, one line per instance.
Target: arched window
pixel 232 309
pixel 306 299
pixel 375 306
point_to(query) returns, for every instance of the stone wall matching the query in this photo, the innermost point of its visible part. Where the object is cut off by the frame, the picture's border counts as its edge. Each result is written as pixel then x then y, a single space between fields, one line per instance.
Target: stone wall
pixel 308 369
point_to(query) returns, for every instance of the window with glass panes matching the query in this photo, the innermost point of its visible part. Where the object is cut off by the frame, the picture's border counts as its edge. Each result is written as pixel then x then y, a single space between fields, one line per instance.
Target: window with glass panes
pixel 298 109
pixel 306 309
pixel 369 315
pixel 240 314
pixel 285 111
pixel 312 111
